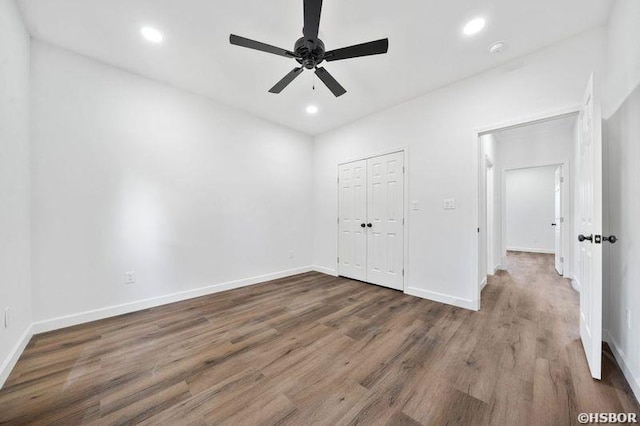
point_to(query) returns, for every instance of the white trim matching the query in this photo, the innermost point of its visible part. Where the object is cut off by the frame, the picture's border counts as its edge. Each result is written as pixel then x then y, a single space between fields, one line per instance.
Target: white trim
pixel 575 284
pixel 11 359
pixel 374 154
pixel 405 151
pixel 324 270
pixel 125 308
pixel 531 250
pixel 443 298
pixel 623 362
pixel 525 166
pixel 483 284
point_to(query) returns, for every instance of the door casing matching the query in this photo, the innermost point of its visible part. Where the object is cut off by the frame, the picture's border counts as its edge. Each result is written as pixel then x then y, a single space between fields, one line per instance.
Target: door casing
pixel 558 218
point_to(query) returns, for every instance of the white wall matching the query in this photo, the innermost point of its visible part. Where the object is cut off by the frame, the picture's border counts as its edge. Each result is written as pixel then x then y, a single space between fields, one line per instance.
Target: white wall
pixel 133 175
pixel 530 208
pixel 622 145
pixel 438 128
pixel 15 282
pixel 538 144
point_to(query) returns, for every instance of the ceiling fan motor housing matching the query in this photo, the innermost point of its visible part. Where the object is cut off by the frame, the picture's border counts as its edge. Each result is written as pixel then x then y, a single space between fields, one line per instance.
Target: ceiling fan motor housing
pixel 309 53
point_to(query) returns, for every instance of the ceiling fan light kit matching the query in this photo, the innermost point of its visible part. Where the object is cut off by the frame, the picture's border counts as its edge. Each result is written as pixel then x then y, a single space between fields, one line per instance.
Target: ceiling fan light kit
pixel 309 51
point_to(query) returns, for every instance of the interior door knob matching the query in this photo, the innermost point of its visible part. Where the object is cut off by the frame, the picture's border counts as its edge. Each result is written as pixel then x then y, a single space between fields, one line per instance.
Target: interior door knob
pixel 581 238
pixel 369 225
pixel 612 239
pixel 362 225
pixel 553 224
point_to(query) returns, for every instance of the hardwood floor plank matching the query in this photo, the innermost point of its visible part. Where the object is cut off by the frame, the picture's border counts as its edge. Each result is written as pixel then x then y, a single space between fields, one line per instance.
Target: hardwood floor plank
pixel 316 349
pixel 552 399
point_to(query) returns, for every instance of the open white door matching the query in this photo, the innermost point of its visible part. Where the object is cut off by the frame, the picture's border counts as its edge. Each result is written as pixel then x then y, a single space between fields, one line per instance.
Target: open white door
pixel 590 229
pixel 352 218
pixel 558 221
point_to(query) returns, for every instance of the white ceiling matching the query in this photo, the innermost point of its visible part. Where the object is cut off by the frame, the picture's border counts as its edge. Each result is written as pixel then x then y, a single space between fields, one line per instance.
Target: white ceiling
pixel 427 49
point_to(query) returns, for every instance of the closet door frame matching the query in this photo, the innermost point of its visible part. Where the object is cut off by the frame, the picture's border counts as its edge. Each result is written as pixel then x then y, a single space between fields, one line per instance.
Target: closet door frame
pixel 405 207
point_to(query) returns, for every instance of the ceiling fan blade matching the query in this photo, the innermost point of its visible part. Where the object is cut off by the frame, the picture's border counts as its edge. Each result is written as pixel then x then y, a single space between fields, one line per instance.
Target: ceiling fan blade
pixel 330 82
pixel 365 49
pixel 312 10
pixel 256 45
pixel 279 87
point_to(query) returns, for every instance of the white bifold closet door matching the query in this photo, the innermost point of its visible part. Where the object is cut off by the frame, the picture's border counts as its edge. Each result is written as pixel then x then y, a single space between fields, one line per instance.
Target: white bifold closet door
pixel 371 220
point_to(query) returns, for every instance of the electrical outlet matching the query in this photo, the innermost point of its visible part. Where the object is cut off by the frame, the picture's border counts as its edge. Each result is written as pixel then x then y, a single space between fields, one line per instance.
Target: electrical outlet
pixel 7 317
pixel 130 277
pixel 628 316
pixel 290 254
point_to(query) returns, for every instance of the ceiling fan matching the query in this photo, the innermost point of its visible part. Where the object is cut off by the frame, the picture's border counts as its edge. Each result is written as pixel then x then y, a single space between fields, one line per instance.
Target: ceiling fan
pixel 309 50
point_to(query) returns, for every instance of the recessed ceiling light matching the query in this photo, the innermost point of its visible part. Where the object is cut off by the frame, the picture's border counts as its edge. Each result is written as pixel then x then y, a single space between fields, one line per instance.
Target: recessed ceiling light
pixel 312 109
pixel 152 34
pixel 497 47
pixel 474 26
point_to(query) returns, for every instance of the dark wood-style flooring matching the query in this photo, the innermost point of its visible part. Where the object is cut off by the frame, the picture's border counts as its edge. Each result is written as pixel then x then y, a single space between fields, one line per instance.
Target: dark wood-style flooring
pixel 313 349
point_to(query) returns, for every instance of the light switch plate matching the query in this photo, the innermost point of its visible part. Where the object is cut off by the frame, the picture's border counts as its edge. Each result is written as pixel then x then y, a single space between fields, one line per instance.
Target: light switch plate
pixel 415 205
pixel 130 277
pixel 449 203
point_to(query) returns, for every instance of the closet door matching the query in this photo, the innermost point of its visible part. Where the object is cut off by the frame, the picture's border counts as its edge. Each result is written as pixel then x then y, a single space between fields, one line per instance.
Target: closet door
pixel 352 219
pixel 385 239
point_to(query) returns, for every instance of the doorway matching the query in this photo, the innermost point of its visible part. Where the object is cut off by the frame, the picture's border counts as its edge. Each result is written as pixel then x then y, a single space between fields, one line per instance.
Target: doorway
pixel 521 206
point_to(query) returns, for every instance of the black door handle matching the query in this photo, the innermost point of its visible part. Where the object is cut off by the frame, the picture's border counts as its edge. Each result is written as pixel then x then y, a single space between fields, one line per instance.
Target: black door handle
pixel 362 225
pixel 612 239
pixel 553 224
pixel 581 238
pixel 369 225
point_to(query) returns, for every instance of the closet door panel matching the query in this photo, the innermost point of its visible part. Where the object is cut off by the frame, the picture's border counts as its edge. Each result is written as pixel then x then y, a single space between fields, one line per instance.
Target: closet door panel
pixel 385 201
pixel 352 214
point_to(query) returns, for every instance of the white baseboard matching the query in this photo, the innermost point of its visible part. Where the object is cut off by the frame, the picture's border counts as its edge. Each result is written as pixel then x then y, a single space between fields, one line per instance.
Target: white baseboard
pixel 483 284
pixel 125 308
pixel 14 355
pixel 532 250
pixel 575 284
pixel 623 362
pixel 324 270
pixel 444 298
